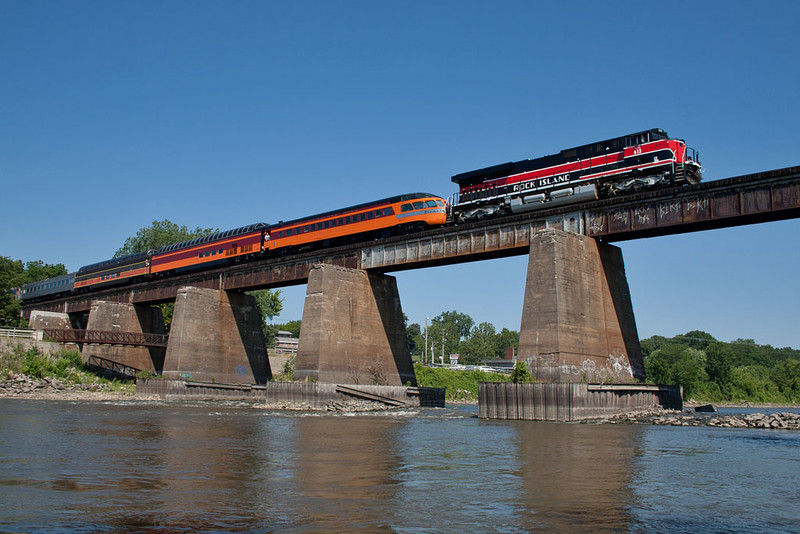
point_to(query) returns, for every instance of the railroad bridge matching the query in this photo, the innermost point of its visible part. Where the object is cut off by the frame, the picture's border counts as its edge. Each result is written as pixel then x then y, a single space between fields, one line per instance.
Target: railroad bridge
pixel 577 319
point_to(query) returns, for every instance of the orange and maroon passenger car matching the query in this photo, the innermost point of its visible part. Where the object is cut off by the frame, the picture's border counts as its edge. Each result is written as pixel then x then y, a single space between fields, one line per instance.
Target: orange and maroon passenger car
pixel 411 211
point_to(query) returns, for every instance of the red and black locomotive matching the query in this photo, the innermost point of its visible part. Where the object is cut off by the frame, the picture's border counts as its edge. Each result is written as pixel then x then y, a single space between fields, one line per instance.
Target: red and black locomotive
pixel 630 163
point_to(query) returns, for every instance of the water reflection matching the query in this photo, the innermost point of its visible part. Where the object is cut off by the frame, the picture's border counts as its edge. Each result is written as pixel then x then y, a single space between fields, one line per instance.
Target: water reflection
pixel 345 469
pixel 576 476
pixel 168 467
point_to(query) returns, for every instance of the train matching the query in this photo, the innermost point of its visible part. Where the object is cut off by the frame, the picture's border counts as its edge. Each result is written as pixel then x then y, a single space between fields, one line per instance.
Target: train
pixel 377 219
pixel 630 163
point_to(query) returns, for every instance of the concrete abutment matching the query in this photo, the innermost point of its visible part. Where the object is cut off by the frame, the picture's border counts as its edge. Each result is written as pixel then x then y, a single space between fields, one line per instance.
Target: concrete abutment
pixel 122 317
pixel 216 336
pixel 577 319
pixel 353 330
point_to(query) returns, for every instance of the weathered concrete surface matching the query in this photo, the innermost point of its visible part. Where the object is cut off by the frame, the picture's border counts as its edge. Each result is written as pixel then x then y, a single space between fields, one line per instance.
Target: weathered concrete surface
pixel 353 330
pixel 572 401
pixel 40 320
pixel 216 336
pixel 296 395
pixel 121 317
pixel 577 318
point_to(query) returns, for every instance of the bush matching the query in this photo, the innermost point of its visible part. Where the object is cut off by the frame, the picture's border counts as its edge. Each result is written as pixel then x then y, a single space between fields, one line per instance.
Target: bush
pixel 459 385
pixel 520 373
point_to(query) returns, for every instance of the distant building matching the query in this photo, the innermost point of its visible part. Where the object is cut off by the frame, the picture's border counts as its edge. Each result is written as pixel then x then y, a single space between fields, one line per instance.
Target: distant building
pixel 285 344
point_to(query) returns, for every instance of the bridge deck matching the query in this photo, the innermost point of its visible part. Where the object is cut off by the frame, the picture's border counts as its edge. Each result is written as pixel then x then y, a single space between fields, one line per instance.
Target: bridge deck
pixel 749 199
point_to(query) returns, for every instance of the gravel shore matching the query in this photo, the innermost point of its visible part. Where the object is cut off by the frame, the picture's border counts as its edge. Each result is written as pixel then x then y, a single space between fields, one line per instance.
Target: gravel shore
pixel 22 386
pixel 777 421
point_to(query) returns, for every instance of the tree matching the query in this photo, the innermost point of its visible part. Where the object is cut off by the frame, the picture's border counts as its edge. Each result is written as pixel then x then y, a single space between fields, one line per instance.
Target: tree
pixel 690 371
pixel 483 344
pixel 14 274
pixel 449 328
pixel 719 364
pixel 507 339
pixel 414 335
pixel 160 234
pixel 269 305
pixel 696 339
pixel 163 233
pixel 520 373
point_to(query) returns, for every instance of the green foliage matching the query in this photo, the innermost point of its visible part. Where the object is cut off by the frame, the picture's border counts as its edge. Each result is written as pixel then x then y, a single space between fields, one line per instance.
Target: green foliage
pixel 160 234
pixel 62 365
pixel 13 274
pixel 270 330
pixel 65 365
pixel 415 337
pixel 288 368
pixel 786 377
pixel 482 344
pixel 715 371
pixel 520 373
pixel 459 385
pixel 475 344
pixel 448 329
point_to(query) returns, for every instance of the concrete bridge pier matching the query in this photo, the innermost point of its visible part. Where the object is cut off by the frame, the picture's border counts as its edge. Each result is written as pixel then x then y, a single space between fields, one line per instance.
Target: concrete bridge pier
pixel 122 317
pixel 216 336
pixel 577 318
pixel 353 330
pixel 40 320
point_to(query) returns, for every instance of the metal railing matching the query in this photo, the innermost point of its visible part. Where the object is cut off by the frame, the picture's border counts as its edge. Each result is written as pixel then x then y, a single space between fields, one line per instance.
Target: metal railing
pixel 105 337
pixel 18 333
pixel 112 367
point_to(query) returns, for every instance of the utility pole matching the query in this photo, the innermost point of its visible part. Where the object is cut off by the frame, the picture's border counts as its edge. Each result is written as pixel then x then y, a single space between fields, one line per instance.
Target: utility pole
pixel 426 341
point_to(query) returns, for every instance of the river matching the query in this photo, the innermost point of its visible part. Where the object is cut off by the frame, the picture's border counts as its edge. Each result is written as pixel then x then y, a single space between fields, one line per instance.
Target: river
pixel 211 467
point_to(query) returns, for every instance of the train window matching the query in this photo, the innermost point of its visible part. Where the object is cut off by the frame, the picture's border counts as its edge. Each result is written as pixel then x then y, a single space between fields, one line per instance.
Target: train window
pixel 406 207
pixel 340 221
pixel 387 211
pixel 362 217
pixel 327 224
pixel 418 205
pixel 220 251
pixel 370 215
pixel 430 203
pixel 440 203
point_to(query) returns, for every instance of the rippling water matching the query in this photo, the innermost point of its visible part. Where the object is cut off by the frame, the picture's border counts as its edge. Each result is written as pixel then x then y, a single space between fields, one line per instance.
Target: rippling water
pixel 170 467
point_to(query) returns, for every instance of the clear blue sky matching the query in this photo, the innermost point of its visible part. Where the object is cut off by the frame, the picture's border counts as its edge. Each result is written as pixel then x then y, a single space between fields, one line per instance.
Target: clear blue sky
pixel 219 114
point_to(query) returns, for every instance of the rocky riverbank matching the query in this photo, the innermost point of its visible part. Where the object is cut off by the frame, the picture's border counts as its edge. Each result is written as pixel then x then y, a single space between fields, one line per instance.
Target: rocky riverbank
pixel 23 386
pixel 776 421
